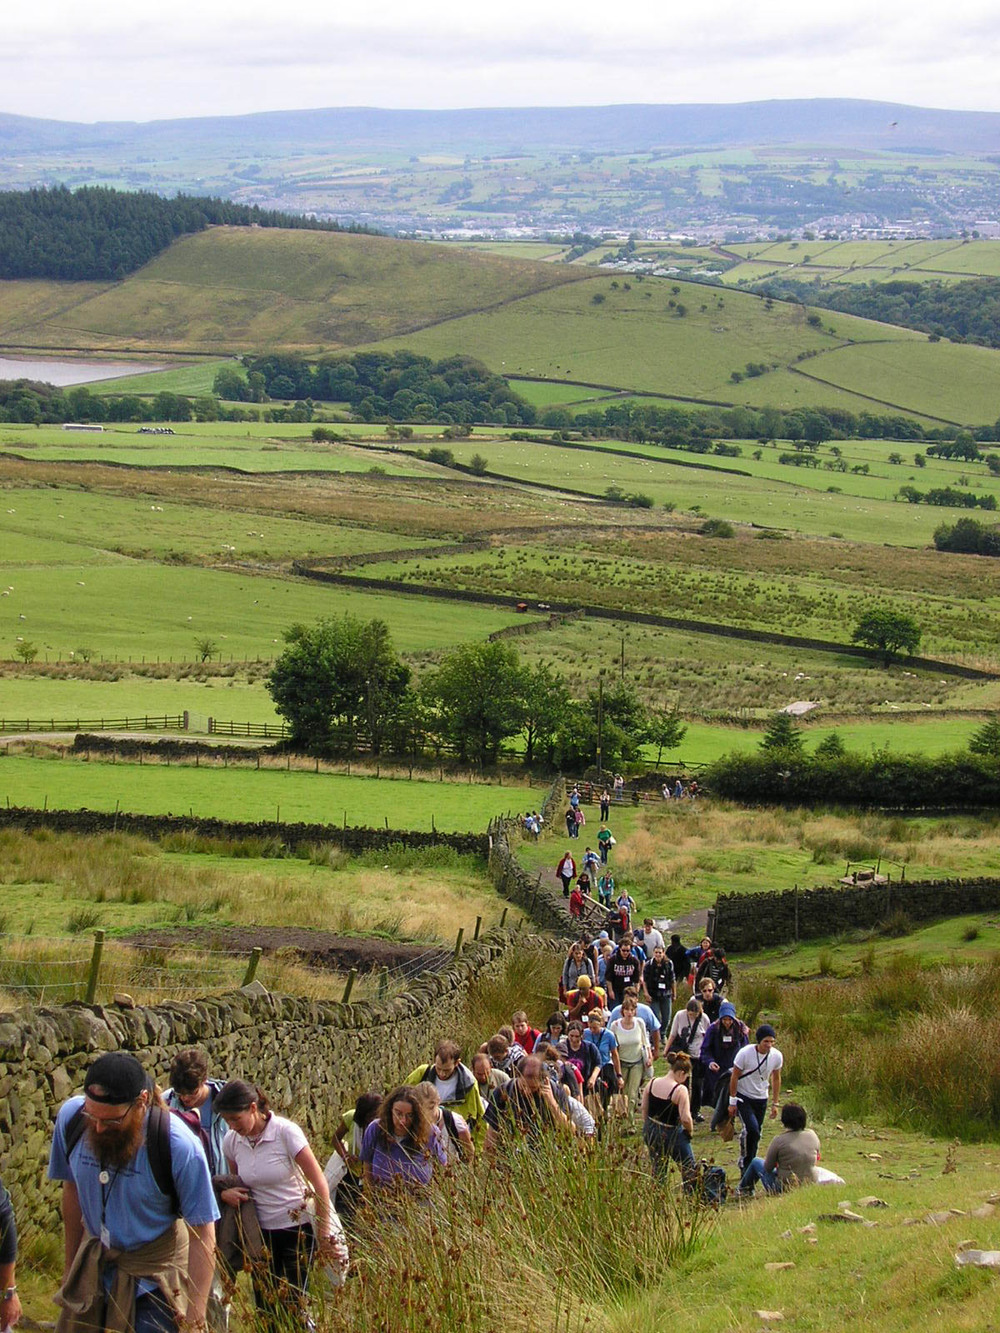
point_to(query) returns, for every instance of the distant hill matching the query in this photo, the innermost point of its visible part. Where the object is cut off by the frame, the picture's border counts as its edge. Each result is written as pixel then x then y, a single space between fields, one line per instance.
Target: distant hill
pixel 830 122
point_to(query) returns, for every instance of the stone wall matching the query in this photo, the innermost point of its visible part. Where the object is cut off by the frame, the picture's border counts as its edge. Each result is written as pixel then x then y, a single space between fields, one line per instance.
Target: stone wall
pixel 351 838
pixel 311 1057
pixel 744 922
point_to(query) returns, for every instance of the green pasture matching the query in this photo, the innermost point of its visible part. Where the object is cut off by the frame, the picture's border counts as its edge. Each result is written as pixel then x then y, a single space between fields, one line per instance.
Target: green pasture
pixel 958 388
pixel 53 525
pixel 251 795
pixel 226 698
pixel 782 497
pixel 635 339
pixel 133 609
pixel 549 394
pixel 195 380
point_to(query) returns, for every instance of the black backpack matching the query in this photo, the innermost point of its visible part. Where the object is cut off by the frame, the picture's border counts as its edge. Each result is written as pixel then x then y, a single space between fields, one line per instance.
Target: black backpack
pixel 157 1145
pixel 713 1187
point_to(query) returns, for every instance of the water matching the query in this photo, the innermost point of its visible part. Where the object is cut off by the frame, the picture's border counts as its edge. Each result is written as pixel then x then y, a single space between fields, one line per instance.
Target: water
pixel 65 373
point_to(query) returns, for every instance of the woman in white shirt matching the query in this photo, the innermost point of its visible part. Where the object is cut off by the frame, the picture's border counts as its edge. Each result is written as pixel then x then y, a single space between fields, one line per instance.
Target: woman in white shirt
pixel 633 1049
pixel 282 1177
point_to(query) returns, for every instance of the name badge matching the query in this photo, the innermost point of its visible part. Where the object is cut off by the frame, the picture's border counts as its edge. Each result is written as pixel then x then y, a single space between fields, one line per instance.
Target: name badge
pixel 106 1238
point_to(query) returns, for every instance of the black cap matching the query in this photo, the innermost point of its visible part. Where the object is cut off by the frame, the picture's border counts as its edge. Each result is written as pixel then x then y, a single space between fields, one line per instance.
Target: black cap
pixel 119 1077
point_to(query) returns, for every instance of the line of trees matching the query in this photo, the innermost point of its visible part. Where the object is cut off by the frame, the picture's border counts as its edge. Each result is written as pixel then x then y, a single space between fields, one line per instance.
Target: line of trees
pixel 341 686
pixel 96 232
pixel 386 386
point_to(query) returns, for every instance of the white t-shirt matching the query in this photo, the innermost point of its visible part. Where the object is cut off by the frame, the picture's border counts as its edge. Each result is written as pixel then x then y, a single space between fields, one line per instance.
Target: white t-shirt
pixel 756 1070
pixel 446 1088
pixel 268 1168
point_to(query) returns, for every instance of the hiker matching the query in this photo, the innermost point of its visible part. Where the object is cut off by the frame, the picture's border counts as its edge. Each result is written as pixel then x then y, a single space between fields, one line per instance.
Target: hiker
pixel 715 967
pixel 711 999
pixel 576 897
pixel 487 1078
pixel 455 1082
pixel 755 1069
pixel 566 869
pixel 280 1174
pixel 606 889
pixel 605 805
pixel 192 1093
pixel 571 828
pixel 610 1079
pixel 661 987
pixel 634 1050
pixel 790 1159
pixel 519 1113
pixel 130 1261
pixel 623 969
pixel 402 1146
pixel 586 997
pixel 718 1051
pixel 687 1032
pixel 577 965
pixel 10 1306
pixel 605 841
pixel 457 1135
pixel 667 1125
pixel 343 1170
pixel 525 1034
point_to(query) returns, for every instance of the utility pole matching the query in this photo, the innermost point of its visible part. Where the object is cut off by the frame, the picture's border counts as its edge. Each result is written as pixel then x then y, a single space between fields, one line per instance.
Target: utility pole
pixel 600 720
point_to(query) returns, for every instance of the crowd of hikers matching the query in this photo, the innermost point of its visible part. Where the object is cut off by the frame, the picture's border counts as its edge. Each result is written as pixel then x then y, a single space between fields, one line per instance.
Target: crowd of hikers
pixel 168 1195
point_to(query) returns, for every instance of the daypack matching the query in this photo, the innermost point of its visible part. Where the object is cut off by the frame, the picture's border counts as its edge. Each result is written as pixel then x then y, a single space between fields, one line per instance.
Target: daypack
pixel 714 1188
pixel 157 1146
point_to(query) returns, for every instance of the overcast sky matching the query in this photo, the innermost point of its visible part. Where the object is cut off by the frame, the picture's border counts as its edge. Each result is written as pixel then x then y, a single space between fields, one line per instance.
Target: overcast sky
pixel 125 60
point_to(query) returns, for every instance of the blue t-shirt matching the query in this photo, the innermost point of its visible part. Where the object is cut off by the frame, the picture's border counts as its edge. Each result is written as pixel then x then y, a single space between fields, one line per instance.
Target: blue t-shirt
pixel 643 1011
pixel 605 1041
pixel 131 1205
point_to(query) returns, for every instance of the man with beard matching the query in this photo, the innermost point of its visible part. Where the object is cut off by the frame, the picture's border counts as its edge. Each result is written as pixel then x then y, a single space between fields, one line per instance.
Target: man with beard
pixel 131 1265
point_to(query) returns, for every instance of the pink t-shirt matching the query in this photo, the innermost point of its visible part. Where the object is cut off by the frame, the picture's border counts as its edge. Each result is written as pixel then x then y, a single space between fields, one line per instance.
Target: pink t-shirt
pixel 268 1168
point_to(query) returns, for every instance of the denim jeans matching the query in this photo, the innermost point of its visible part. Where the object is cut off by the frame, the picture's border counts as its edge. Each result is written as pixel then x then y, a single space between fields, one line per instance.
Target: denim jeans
pixel 666 1144
pixel 661 1006
pixel 757 1171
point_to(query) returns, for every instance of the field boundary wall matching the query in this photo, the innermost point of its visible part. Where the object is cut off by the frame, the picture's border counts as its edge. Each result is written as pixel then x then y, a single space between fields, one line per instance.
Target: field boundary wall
pixel 744 922
pixel 352 837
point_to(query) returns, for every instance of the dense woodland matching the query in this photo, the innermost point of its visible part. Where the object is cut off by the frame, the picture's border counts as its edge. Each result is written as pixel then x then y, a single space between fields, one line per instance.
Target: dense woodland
pixel 962 311
pixel 98 233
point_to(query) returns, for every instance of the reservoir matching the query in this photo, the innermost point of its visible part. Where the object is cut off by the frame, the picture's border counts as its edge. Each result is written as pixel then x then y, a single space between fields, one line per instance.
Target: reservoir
pixel 65 373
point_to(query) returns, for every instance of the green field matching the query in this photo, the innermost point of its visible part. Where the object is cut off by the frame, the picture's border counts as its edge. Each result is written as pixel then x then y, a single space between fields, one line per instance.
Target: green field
pixel 42 699
pixel 194 379
pixel 249 795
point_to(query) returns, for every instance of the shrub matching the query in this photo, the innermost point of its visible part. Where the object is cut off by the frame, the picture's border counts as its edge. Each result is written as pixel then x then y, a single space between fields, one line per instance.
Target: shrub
pixel 717 527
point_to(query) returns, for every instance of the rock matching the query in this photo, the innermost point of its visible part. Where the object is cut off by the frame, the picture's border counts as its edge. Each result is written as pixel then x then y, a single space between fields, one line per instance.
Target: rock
pixel 808 1230
pixel 978 1258
pixel 843 1203
pixel 984 1210
pixel 846 1216
pixel 785 1235
pixel 778 1268
pixel 254 988
pixel 872 1201
pixel 811 1240
pixel 966 1244
pixel 123 1000
pixel 936 1219
pixel 769 1316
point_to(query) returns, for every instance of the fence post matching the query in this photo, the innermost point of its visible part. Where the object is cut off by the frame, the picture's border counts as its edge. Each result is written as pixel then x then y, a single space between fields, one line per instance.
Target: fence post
pixel 252 964
pixel 796 914
pixel 95 967
pixel 503 918
pixel 479 926
pixel 458 941
pixel 352 976
pixel 383 983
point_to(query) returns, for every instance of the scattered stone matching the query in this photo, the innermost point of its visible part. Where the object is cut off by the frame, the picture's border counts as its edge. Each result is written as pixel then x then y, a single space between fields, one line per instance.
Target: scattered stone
pixel 911 1221
pixel 846 1216
pixel 769 1316
pixel 872 1201
pixel 984 1210
pixel 966 1244
pixel 839 1126
pixel 811 1240
pixel 778 1268
pixel 978 1258
pixel 808 1230
pixel 123 1000
pixel 958 1212
pixel 785 1235
pixel 937 1219
pixel 843 1203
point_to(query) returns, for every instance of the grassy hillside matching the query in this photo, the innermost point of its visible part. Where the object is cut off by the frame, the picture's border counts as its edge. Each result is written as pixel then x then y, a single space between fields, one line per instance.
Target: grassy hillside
pixel 864 261
pixel 234 288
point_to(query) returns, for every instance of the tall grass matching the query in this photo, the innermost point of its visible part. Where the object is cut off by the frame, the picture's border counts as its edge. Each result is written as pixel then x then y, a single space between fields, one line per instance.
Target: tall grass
pixel 531 1241
pixel 915 1047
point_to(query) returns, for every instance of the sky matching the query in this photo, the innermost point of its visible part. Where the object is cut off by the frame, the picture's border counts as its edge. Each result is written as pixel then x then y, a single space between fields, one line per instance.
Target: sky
pixel 123 60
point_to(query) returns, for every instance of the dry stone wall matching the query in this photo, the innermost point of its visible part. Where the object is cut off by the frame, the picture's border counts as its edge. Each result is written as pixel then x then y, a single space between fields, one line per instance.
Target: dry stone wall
pixel 744 922
pixel 311 1057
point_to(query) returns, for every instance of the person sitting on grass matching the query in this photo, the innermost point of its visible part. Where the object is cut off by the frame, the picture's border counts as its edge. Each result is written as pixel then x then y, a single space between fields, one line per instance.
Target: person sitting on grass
pixel 790 1159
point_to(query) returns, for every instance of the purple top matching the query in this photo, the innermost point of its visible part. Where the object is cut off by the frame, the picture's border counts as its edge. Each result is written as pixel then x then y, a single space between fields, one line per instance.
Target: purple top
pixel 393 1160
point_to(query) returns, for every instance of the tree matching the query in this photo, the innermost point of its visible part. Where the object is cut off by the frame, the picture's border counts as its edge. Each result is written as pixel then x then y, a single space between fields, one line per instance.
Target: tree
pixel 665 731
pixel 546 698
pixel 782 736
pixel 831 747
pixel 338 676
pixel 888 632
pixel 230 385
pixel 26 651
pixel 986 740
pixel 479 692
pixel 478 465
pixel 205 649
